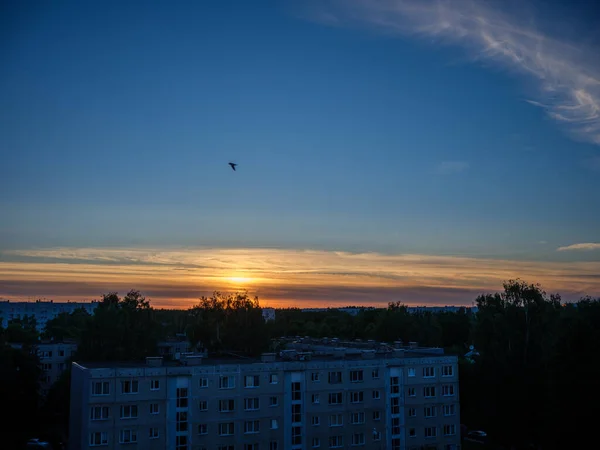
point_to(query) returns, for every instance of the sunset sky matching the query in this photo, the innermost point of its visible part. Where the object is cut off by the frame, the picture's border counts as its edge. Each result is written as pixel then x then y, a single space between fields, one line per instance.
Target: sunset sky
pixel 422 151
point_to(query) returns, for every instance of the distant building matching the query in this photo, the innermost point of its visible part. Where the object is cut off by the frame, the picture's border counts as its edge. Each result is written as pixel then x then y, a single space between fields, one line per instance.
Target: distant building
pixel 173 348
pixel 54 360
pixel 268 314
pixel 43 311
pixel 318 394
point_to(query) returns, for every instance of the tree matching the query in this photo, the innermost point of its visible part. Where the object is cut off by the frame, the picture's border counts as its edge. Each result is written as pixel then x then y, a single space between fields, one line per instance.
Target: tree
pixel 231 323
pixel 120 329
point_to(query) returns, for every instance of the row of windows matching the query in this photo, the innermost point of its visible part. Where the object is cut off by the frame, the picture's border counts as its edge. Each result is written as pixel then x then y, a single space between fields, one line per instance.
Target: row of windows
pixel 126 436
pixel 430 391
pixel 125 411
pixel 253 381
pixel 431 432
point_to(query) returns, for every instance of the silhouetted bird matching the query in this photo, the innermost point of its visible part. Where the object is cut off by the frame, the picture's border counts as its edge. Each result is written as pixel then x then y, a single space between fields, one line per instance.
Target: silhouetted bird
pixel 233 165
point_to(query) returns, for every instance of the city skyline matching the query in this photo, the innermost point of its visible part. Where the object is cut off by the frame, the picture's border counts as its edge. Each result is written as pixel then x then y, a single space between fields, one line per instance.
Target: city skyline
pixel 387 150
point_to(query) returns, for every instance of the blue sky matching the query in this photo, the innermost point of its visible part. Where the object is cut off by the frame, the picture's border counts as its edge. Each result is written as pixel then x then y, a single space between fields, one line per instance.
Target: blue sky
pixel 352 133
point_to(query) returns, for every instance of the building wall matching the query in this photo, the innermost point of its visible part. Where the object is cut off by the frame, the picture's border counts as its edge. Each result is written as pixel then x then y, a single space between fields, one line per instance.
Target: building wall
pixel 275 379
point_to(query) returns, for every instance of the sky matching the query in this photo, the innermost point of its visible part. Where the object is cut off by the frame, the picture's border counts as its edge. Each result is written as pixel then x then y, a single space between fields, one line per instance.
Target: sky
pixel 421 151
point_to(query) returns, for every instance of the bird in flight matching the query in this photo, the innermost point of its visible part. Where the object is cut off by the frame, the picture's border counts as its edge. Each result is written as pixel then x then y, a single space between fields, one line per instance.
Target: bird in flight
pixel 233 165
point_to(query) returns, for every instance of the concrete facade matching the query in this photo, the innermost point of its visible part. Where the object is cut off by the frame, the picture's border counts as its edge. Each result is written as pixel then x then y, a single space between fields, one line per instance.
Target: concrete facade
pixel 400 399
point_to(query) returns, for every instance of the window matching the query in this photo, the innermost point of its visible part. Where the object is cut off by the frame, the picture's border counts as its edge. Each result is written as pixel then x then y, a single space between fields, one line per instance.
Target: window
pixel 314 377
pixel 316 442
pixel 315 398
pixel 296 435
pixel 358 439
pixel 447 371
pixel 396 425
pixel 227 405
pixel 430 432
pixel 336 441
pixel 181 443
pixel 154 385
pixel 376 415
pixel 336 420
pixel 273 378
pixel 449 410
pixel 335 399
pixel 226 429
pixel 375 374
pixel 251 447
pixel 251 381
pixel 99 413
pixel 46 366
pixel 430 411
pixel 226 382
pixel 335 377
pixel 411 371
pixel 203 405
pixel 252 426
pixel 154 409
pixel 127 437
pixel 129 387
pixel 296 413
pixel 412 392
pixel 357 418
pixel 449 430
pixel 98 438
pixel 395 405
pixel 428 372
pixel 273 445
pixel 153 433
pixel 296 393
pixel 47 354
pixel 100 388
pixel 61 353
pixel 62 366
pixel 395 444
pixel 412 432
pixel 376 395
pixel 448 390
pixel 182 394
pixel 357 397
pixel 395 385
pixel 377 435
pixel 225 447
pixel 429 391
pixel 273 401
pixel 129 411
pixel 412 412
pixel 356 376
pixel 315 421
pixel 251 404
pixel 203 383
pixel 181 421
pixel 202 428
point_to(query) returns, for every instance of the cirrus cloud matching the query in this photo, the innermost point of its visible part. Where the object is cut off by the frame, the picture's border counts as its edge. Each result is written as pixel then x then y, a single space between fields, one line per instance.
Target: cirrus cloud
pixel 584 246
pixel 567 73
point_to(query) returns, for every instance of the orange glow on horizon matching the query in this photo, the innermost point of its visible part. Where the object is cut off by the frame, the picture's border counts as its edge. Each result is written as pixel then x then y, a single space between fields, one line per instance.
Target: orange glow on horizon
pixel 280 278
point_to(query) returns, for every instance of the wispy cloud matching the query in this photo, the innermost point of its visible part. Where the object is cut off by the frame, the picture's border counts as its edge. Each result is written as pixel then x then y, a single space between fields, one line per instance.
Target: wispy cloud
pixel 585 247
pixel 279 276
pixel 451 167
pixel 567 73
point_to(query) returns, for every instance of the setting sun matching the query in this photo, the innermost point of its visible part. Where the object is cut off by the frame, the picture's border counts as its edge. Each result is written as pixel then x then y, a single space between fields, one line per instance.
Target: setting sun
pixel 239 280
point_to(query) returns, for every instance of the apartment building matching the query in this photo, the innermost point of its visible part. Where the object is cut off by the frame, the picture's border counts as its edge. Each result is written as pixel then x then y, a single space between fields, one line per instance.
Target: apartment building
pixel 328 397
pixel 43 311
pixel 54 358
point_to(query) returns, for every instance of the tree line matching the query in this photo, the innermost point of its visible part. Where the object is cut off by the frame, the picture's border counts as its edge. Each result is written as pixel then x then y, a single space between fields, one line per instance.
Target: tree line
pixel 536 365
